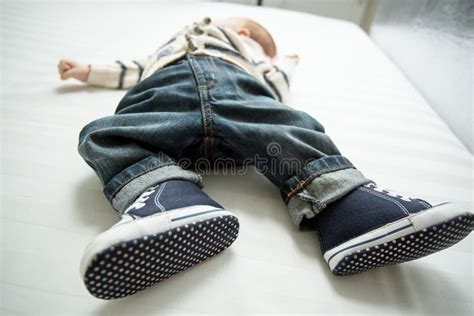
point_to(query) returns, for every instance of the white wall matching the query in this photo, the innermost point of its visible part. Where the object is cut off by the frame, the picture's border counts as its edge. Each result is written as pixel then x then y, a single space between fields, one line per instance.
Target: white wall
pixel 432 41
pixel 350 10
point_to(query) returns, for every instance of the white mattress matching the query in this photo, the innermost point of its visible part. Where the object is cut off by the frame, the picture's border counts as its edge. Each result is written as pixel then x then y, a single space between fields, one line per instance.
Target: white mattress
pixel 53 206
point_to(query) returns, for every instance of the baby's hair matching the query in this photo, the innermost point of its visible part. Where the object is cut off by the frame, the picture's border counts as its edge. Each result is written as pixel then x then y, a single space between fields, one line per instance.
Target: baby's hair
pixel 257 32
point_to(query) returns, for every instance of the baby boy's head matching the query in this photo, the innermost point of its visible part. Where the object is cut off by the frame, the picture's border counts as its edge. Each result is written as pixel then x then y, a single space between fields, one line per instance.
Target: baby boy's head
pixel 252 29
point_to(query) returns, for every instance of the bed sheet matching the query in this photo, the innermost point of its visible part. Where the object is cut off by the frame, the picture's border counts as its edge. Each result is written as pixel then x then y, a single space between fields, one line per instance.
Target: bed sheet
pixel 52 205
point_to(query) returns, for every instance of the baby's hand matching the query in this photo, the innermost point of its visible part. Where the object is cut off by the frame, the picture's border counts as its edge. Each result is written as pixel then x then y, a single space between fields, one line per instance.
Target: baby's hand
pixel 294 57
pixel 71 69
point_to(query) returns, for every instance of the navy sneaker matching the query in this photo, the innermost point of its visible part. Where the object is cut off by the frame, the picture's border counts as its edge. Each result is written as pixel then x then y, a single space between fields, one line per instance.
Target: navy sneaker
pixel 372 227
pixel 168 229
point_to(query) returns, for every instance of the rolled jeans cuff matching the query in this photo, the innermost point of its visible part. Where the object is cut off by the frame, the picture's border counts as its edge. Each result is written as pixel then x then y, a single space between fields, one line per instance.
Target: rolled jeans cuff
pixel 321 182
pixel 126 186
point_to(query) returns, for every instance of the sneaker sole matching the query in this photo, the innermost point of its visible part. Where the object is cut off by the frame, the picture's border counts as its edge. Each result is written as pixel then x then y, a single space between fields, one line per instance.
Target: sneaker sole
pixel 409 239
pixel 130 266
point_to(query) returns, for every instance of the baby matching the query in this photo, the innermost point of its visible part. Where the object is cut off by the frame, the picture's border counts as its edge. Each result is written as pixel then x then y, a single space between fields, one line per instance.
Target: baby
pixel 215 93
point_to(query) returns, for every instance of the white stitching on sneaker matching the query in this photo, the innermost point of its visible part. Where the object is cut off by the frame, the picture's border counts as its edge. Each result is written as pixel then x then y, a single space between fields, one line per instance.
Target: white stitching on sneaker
pixel 140 201
pixel 389 192
pixel 157 197
pixel 387 198
pixel 424 203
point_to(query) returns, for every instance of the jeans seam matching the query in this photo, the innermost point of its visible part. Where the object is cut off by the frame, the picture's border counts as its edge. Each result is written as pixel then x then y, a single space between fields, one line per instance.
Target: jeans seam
pixel 207 117
pixel 211 123
pixel 302 183
pixel 128 180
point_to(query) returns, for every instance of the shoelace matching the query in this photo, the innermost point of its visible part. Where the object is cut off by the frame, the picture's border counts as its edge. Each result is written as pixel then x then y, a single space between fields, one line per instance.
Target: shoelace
pixel 140 201
pixel 389 192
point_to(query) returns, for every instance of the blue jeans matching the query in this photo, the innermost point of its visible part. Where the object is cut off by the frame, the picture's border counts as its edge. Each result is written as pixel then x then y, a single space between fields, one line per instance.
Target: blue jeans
pixel 201 113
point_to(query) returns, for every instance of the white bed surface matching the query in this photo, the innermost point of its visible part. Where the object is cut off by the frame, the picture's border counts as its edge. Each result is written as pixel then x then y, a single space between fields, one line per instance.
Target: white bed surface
pixel 53 206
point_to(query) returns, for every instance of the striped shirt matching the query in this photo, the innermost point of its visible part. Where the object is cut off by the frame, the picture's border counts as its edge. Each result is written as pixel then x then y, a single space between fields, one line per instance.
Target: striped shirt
pixel 200 38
